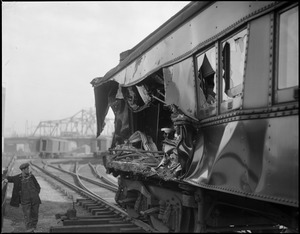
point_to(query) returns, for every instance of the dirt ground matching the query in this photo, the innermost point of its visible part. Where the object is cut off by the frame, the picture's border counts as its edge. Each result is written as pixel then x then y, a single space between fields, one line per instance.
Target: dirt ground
pixel 54 201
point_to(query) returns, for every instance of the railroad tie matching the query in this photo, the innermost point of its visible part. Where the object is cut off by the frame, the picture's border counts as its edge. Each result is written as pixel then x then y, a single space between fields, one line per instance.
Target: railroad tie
pixel 103 228
pixel 92 207
pixel 91 221
pixel 95 210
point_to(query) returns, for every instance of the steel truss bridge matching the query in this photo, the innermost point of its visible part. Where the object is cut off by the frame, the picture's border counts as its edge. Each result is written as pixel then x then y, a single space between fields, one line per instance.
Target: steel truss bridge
pixel 81 124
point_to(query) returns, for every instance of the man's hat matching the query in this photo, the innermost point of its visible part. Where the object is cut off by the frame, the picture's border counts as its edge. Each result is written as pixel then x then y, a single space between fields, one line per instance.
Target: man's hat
pixel 24 165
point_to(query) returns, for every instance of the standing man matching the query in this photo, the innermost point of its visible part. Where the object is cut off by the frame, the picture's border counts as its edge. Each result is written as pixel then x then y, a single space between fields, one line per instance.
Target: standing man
pixel 26 191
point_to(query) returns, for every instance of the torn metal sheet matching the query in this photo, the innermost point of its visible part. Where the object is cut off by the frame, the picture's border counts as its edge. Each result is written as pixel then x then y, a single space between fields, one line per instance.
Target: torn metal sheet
pixel 180 87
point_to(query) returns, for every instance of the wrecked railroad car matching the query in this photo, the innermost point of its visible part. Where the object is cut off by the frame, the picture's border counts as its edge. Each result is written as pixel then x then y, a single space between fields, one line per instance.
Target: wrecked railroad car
pixel 206 120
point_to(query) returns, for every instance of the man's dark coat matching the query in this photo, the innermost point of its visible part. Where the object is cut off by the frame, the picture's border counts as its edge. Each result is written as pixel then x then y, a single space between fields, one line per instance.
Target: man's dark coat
pixel 16 194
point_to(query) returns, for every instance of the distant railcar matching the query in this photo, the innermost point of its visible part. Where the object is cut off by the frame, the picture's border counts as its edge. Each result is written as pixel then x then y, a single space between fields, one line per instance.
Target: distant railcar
pixel 206 120
pixel 53 147
pixel 101 144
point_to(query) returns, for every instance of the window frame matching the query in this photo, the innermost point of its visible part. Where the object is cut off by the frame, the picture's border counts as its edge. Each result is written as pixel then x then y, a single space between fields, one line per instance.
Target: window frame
pixel 235 103
pixel 198 84
pixel 289 94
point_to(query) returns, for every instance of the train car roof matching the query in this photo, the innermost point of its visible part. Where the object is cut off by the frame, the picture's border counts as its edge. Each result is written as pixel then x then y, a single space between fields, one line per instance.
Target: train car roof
pixel 169 26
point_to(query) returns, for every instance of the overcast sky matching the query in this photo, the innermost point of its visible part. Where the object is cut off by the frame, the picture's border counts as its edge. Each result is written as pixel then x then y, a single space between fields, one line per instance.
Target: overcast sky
pixel 52 50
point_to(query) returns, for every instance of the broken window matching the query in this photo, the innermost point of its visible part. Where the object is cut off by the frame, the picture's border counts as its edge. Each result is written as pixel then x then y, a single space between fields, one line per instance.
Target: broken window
pixel 288 55
pixel 233 63
pixel 141 95
pixel 147 111
pixel 207 83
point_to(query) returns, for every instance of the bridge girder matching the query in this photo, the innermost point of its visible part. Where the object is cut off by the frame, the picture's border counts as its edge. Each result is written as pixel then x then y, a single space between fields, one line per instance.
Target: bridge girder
pixel 83 123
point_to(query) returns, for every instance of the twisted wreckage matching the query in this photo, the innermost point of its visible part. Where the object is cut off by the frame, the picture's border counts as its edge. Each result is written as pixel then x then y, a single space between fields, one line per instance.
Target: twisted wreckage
pixel 151 138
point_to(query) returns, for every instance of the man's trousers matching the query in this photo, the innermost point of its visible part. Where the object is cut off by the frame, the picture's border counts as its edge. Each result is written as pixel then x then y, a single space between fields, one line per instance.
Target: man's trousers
pixel 31 213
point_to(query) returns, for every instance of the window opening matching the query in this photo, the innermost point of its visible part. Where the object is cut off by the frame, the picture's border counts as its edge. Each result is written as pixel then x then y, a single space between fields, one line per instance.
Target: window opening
pixel 233 62
pixel 207 80
pixel 288 69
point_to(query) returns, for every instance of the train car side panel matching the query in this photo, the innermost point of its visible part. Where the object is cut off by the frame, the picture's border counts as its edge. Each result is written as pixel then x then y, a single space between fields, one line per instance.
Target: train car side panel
pixel 258 66
pixel 252 158
pixel 188 38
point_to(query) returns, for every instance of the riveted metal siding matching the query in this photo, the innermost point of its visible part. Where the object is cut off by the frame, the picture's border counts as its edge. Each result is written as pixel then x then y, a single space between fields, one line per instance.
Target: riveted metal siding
pixel 256 89
pixel 180 87
pixel 185 40
pixel 256 158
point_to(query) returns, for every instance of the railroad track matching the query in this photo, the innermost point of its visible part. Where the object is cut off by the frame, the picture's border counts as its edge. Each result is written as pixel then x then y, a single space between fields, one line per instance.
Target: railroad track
pixel 98 174
pixel 106 216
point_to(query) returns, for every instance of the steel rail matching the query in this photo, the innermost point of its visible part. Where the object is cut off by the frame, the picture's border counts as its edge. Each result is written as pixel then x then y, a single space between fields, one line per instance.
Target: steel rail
pixel 97 174
pixel 96 195
pixel 104 185
pixel 64 182
pixel 111 180
pixel 96 200
pixel 81 191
